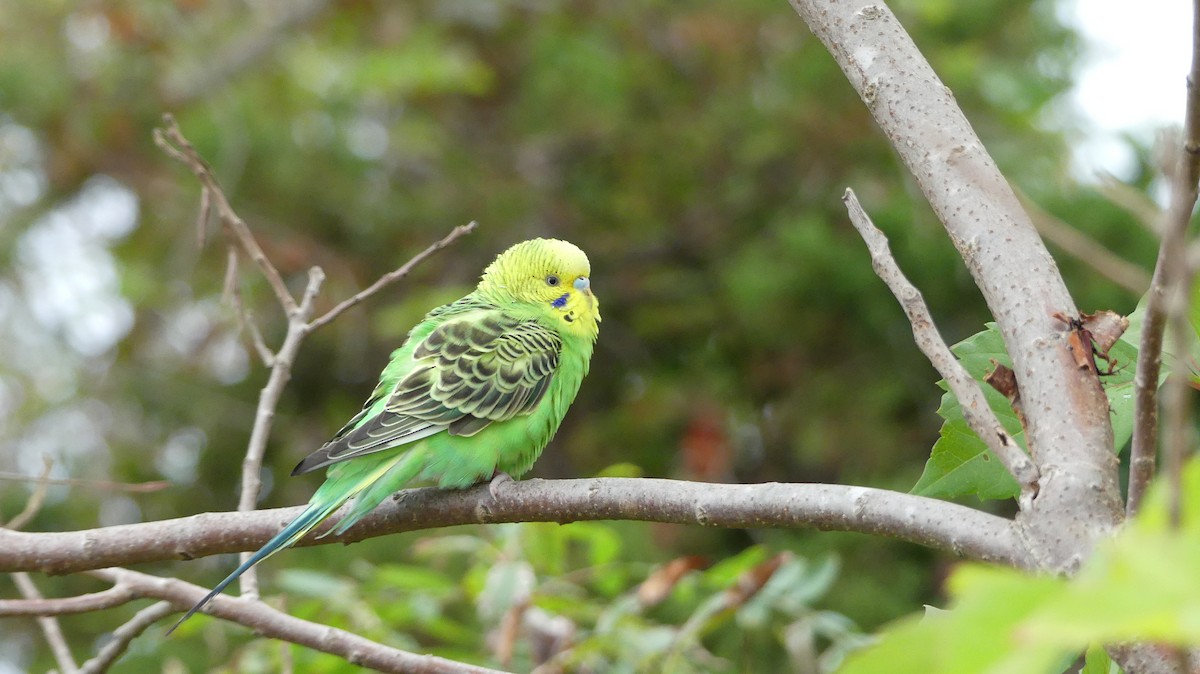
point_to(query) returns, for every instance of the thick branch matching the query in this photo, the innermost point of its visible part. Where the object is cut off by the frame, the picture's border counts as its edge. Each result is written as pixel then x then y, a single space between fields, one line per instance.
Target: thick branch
pixel 976 411
pixel 1069 433
pixel 938 524
pixel 270 622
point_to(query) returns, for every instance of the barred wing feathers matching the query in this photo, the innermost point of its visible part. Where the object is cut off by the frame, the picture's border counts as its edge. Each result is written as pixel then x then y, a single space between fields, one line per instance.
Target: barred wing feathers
pixel 470 371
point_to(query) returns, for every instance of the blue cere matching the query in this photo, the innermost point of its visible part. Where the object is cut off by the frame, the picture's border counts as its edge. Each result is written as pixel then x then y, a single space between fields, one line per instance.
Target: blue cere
pixel 582 283
pixel 560 302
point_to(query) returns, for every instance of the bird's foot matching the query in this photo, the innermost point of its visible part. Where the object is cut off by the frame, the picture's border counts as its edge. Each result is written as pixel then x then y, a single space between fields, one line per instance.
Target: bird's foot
pixel 499 479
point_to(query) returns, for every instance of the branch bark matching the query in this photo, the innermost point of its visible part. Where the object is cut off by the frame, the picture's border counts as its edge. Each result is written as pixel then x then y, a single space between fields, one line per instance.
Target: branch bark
pixel 1070 437
pixel 953 528
pixel 1168 297
pixel 270 622
pixel 976 411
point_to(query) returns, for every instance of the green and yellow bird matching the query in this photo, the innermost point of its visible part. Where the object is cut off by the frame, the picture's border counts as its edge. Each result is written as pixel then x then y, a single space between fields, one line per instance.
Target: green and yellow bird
pixel 478 389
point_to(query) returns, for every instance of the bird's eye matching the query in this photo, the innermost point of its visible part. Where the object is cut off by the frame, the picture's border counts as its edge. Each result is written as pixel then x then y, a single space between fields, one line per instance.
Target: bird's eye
pixel 552 280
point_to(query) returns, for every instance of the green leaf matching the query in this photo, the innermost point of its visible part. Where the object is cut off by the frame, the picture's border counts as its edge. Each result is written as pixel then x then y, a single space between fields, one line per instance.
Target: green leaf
pixel 961 464
pixel 1096 661
pixel 1139 586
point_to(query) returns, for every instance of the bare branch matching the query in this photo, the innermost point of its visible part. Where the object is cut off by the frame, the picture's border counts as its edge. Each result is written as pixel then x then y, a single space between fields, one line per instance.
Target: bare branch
pixel 269 622
pixel 1168 296
pixel 50 628
pixel 937 524
pixel 34 504
pixel 106 485
pixel 171 140
pixel 976 411
pixel 1134 202
pixel 1087 250
pixel 393 276
pixel 124 635
pixel 1079 499
pixel 96 601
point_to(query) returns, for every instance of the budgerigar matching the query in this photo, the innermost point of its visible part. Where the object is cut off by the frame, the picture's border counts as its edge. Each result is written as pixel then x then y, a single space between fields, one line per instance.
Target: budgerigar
pixel 477 390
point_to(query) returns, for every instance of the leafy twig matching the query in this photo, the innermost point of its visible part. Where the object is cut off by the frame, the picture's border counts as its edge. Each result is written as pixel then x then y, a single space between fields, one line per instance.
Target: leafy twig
pixel 976 411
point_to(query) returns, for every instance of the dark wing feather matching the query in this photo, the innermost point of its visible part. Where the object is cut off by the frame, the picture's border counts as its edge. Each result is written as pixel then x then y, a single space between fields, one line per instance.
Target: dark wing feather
pixel 470 371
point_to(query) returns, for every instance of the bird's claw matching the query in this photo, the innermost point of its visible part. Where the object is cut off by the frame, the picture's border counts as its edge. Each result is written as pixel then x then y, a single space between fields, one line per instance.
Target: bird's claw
pixel 499 479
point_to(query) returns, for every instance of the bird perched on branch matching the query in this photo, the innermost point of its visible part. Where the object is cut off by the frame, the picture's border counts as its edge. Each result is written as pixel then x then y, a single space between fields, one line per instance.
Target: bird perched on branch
pixel 476 391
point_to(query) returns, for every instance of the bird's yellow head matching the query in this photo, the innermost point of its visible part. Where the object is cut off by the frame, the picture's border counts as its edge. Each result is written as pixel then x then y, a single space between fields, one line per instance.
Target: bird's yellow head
pixel 551 276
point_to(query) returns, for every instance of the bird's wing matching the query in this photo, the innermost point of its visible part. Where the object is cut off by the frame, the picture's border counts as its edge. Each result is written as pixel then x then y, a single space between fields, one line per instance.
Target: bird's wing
pixel 469 372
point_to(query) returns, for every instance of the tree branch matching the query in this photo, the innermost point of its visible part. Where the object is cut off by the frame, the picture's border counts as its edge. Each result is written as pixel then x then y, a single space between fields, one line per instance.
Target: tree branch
pixel 976 411
pixel 124 635
pixel 269 622
pixel 393 276
pixel 84 603
pixel 1168 297
pixel 1069 433
pixel 171 140
pixel 50 627
pixel 938 524
pixel 1087 250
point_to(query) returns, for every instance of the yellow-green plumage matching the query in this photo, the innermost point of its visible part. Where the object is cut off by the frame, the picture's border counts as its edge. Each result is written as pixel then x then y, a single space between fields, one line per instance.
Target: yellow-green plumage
pixel 478 388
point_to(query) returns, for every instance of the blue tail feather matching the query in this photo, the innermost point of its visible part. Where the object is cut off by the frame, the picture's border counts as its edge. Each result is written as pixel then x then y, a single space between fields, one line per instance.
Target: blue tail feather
pixel 329 497
pixel 311 517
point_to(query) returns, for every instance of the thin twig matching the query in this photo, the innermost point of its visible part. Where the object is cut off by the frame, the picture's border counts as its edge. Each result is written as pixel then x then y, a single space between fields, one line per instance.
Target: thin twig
pixel 1144 210
pixel 84 603
pixel 50 628
pixel 976 412
pixel 34 504
pixel 124 635
pixel 48 623
pixel 171 140
pixel 268 401
pixel 269 622
pixel 245 320
pixel 203 215
pixel 1168 296
pixel 1086 249
pixel 105 485
pixel 393 276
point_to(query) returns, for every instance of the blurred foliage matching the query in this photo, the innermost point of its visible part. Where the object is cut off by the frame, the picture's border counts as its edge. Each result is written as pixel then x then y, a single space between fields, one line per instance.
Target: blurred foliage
pixel 1055 619
pixel 697 150
pixel 532 592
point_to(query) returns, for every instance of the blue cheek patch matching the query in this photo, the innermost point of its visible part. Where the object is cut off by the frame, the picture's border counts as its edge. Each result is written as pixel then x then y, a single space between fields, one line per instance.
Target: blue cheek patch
pixel 561 301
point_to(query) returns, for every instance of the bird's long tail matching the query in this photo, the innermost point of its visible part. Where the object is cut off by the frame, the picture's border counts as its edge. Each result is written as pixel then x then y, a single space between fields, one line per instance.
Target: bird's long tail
pixel 329 497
